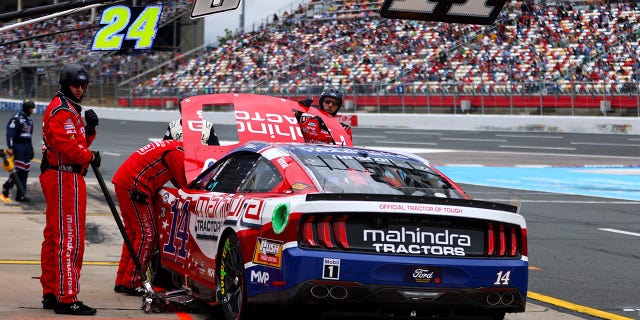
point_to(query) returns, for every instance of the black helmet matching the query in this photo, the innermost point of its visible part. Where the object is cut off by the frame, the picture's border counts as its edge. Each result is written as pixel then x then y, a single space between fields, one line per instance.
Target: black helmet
pixel 184 96
pixel 73 72
pixel 331 93
pixel 27 104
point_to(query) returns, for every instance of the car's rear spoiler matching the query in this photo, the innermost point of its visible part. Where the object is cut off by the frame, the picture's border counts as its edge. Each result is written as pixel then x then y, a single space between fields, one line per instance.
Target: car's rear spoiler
pixel 411 199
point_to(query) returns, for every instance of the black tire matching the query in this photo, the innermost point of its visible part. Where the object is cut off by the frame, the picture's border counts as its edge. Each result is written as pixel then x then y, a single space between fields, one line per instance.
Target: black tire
pixel 160 276
pixel 230 280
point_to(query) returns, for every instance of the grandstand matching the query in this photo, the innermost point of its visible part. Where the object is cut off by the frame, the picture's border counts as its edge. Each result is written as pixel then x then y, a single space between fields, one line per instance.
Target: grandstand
pixel 35 48
pixel 564 57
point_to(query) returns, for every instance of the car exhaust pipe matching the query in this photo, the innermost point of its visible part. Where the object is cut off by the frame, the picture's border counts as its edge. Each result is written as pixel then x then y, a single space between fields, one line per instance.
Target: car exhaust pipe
pixel 338 293
pixel 507 298
pixel 493 298
pixel 319 291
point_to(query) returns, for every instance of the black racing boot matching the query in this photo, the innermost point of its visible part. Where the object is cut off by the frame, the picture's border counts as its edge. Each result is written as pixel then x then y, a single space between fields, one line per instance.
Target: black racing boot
pixel 49 301
pixel 76 309
pixel 139 291
pixel 22 199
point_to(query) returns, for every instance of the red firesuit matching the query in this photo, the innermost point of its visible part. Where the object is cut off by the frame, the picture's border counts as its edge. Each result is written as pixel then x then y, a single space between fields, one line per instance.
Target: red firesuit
pixel 315 131
pixel 65 158
pixel 136 182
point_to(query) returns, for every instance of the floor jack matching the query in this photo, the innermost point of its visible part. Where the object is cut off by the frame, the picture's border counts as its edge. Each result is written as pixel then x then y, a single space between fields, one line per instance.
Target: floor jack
pixel 168 301
pixel 8 166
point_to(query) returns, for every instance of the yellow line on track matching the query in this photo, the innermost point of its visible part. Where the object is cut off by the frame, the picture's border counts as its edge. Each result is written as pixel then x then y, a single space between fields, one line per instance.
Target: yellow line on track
pixel 37 262
pixel 575 307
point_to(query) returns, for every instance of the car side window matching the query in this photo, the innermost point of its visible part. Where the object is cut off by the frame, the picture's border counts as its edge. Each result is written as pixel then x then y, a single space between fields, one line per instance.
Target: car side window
pixel 227 175
pixel 262 178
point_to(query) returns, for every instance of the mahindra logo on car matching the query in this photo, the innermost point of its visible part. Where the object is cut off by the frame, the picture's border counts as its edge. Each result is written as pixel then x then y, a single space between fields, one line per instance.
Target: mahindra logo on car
pixel 268 124
pixel 416 241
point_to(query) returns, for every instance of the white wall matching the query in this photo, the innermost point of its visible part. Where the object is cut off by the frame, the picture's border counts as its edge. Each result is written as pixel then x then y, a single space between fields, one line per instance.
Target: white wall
pixel 523 123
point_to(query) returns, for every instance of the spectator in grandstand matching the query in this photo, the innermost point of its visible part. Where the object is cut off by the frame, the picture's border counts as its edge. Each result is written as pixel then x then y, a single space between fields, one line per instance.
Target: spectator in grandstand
pixel 313 128
pixel 65 160
pixel 136 181
pixel 174 130
pixel 19 131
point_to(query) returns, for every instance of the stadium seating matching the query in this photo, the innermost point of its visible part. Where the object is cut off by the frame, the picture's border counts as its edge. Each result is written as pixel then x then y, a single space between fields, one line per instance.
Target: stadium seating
pixel 560 48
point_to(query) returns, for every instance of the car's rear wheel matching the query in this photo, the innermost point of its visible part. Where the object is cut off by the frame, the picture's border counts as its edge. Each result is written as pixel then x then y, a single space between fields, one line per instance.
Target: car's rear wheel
pixel 230 281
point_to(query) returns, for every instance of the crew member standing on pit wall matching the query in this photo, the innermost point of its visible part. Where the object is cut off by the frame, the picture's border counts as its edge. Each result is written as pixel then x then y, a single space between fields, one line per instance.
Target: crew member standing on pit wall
pixel 174 130
pixel 65 160
pixel 313 128
pixel 136 182
pixel 19 131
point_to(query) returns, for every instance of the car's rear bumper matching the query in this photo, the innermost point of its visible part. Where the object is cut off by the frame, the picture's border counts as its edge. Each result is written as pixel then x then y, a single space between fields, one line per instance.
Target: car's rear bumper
pixel 374 279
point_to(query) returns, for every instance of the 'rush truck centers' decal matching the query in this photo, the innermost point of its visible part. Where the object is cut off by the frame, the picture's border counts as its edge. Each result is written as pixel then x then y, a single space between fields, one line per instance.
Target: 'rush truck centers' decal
pixel 268 252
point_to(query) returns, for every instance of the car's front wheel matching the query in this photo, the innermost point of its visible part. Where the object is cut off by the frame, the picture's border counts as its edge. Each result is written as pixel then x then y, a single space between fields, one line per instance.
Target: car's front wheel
pixel 230 281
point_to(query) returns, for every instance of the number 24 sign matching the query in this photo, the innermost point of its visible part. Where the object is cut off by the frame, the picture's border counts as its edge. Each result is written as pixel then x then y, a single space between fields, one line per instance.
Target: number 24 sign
pixel 127 27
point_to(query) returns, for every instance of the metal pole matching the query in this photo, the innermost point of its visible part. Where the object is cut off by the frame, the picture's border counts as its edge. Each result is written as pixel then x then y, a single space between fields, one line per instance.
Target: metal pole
pixel 146 285
pixel 52 8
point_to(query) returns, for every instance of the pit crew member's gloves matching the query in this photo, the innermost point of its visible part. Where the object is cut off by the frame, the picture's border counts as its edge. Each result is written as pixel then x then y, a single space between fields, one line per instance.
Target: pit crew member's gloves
pixel 8 163
pixel 92 120
pixel 306 102
pixel 97 159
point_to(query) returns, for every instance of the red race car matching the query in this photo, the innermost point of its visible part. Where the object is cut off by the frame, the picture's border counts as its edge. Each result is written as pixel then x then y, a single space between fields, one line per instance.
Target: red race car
pixel 271 220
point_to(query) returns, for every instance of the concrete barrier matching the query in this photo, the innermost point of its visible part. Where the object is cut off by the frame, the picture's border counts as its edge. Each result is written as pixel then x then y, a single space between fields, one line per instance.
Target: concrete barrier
pixel 467 122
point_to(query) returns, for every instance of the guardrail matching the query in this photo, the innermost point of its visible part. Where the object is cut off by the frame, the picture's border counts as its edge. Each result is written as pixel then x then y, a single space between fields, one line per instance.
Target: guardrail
pixel 473 122
pixel 561 98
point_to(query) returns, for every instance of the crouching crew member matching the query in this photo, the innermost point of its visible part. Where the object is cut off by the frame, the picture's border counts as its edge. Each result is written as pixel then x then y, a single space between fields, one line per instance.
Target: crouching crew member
pixel 136 182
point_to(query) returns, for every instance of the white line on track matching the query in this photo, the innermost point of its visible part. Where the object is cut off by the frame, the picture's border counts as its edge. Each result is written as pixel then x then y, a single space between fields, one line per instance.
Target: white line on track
pixel 467 139
pixel 531 147
pixel 555 201
pixel 606 144
pixel 414 133
pixel 110 153
pixel 412 143
pixel 620 231
pixel 409 150
pixel 528 136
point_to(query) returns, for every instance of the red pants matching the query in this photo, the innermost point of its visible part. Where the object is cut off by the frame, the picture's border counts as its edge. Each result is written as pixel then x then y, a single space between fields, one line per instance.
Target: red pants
pixel 141 230
pixel 64 233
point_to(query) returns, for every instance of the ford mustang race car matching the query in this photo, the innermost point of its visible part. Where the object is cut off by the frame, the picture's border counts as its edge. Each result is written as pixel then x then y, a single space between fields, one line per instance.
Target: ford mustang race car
pixel 276 221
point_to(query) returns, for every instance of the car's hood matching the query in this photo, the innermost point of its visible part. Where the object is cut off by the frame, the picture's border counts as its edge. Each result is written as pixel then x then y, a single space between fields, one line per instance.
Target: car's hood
pixel 258 117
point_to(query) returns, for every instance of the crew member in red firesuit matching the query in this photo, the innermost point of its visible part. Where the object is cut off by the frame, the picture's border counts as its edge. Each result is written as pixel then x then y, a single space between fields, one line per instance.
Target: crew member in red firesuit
pixel 65 160
pixel 136 182
pixel 19 131
pixel 313 128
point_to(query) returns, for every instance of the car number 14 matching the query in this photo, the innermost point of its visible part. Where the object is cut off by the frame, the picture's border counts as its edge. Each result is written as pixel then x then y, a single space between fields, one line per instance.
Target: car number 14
pixel 503 278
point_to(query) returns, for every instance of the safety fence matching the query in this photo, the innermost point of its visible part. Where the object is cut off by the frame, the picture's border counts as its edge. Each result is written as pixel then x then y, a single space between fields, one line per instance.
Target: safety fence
pixel 561 98
pixel 534 98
